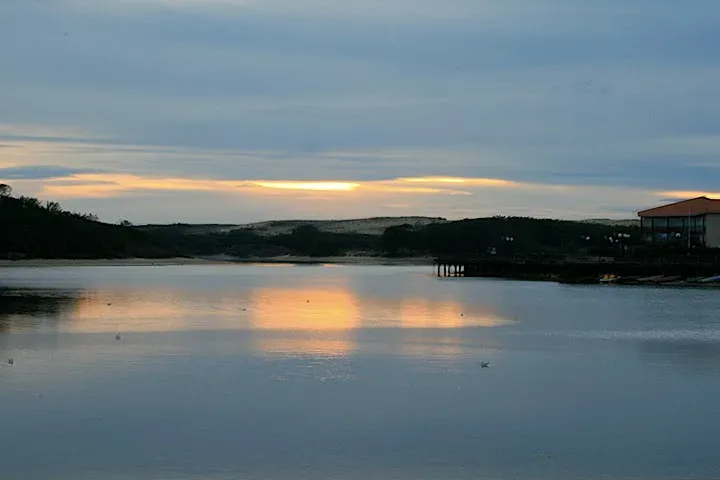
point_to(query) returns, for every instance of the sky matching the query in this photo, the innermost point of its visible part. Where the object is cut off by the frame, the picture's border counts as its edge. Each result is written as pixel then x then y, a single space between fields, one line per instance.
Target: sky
pixel 236 111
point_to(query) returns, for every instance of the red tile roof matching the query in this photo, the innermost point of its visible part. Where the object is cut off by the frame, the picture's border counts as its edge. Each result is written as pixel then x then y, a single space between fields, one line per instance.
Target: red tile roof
pixel 692 207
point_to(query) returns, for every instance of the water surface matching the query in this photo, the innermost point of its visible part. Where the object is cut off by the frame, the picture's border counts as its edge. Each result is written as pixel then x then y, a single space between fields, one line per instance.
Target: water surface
pixel 344 372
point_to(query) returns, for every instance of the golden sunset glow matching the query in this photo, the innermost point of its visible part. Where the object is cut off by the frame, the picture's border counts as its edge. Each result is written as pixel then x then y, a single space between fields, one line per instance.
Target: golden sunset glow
pixel 422 313
pixel 89 185
pixel 331 308
pixel 322 319
pixel 109 185
pixel 689 194
pixel 480 182
pixel 397 187
pixel 432 179
pixel 316 320
pixel 94 313
pixel 319 186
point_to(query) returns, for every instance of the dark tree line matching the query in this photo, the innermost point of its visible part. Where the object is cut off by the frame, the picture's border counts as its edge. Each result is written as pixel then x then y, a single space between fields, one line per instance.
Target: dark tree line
pixel 508 235
pixel 467 237
pixel 305 240
pixel 30 228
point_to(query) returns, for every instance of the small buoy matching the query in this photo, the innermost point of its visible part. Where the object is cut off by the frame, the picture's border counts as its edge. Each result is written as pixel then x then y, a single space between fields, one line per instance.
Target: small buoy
pixel 11 361
pixel 462 314
pixel 117 336
pixel 308 301
pixel 109 304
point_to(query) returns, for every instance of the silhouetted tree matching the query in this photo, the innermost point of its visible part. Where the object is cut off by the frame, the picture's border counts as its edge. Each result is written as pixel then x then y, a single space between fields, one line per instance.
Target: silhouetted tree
pixel 29 228
pixel 402 239
pixel 30 202
pixel 53 207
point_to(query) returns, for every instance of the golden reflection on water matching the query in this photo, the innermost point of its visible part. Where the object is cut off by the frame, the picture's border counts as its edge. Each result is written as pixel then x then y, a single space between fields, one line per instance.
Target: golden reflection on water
pixel 325 316
pixel 424 313
pixel 332 308
pixel 130 311
pixel 319 319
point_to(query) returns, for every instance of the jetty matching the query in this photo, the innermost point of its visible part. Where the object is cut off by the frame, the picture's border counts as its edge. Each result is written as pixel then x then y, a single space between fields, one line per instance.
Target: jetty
pixel 703 270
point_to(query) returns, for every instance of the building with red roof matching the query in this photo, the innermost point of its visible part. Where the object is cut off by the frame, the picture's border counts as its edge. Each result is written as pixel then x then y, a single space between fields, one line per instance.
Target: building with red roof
pixel 693 223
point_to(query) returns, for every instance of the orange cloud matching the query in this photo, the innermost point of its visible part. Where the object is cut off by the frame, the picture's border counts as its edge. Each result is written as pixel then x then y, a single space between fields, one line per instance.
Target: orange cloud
pixel 483 182
pixel 689 194
pixel 108 185
pixel 317 186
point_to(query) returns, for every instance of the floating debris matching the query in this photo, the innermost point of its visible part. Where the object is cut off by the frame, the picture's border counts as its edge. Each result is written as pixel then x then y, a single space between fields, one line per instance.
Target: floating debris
pixel 117 336
pixel 11 361
pixel 484 364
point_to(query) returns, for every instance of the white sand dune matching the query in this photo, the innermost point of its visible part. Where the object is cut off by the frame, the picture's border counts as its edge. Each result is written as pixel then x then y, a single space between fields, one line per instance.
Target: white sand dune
pixel 613 222
pixel 368 226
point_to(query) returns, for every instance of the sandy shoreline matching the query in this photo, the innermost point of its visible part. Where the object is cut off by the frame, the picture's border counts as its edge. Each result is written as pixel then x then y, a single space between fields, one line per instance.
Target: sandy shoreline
pixel 349 260
pixel 53 262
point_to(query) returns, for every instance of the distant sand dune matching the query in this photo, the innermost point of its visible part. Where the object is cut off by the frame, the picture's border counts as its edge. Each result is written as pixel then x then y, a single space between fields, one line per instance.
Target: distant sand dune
pixel 613 222
pixel 368 226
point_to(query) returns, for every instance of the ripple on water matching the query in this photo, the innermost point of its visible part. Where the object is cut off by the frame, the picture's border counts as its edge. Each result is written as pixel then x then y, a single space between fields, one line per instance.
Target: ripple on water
pixel 321 369
pixel 673 335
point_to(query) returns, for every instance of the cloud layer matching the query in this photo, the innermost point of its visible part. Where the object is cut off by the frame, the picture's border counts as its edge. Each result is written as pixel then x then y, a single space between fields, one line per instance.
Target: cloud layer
pixel 176 109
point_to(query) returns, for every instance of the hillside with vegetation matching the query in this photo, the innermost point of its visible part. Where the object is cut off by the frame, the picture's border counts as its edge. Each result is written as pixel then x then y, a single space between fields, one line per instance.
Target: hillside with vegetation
pixel 33 229
pixel 504 235
pixel 30 228
pixel 367 226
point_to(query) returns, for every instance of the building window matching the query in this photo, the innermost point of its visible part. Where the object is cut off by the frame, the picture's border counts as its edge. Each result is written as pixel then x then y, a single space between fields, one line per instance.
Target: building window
pixel 659 222
pixel 677 222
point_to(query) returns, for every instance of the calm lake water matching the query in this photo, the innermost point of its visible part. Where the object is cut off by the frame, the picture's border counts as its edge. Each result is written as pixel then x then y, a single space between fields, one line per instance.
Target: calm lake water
pixel 334 372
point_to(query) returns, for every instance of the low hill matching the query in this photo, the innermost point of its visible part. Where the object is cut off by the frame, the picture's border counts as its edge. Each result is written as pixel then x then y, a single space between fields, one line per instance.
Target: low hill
pixel 31 229
pixel 362 226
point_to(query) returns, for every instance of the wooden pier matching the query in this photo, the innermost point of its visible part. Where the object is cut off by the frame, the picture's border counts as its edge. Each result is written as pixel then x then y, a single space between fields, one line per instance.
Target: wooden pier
pixel 451 269
pixel 573 268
